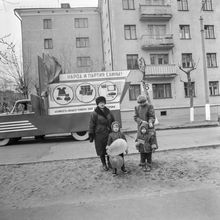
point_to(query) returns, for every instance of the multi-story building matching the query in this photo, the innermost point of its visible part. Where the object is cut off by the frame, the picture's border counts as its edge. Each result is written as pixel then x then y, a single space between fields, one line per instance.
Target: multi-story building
pixel 71 35
pixel 113 36
pixel 166 34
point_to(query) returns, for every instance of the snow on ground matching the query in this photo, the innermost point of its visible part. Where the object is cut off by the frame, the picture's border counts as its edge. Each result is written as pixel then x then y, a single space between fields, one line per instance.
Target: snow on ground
pixel 82 181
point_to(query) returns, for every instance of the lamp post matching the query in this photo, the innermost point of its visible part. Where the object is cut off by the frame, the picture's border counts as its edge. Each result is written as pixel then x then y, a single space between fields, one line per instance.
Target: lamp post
pixel 207 105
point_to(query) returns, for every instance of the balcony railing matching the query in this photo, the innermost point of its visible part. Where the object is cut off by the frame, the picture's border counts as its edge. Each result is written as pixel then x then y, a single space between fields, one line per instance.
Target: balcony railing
pixel 160 71
pixel 149 42
pixel 155 12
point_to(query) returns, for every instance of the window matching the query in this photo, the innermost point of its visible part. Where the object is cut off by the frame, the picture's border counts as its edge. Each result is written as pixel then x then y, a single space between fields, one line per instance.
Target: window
pixel 186 89
pixel 156 31
pixel 186 60
pixel 128 4
pixel 184 32
pixel 47 23
pixel 132 61
pixel 213 88
pixel 182 5
pixel 81 22
pixel 130 32
pixel 48 44
pixel 134 91
pixel 83 61
pixel 155 2
pixel 211 60
pixel 209 31
pixel 158 59
pixel 207 5
pixel 82 42
pixel 162 91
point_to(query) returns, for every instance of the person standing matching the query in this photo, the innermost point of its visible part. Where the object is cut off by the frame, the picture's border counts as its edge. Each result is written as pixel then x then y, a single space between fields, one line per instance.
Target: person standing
pixel 99 129
pixel 144 113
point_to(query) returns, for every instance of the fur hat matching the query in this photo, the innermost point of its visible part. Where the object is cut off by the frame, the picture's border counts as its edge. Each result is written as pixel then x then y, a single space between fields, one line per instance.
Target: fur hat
pixel 100 99
pixel 141 99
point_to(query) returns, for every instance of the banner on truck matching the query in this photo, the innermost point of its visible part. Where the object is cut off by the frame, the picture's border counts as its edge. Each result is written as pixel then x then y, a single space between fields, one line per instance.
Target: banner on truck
pixel 77 93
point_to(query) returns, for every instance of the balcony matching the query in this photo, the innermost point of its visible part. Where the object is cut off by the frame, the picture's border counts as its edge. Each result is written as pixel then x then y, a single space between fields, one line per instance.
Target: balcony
pixel 155 12
pixel 160 71
pixel 157 42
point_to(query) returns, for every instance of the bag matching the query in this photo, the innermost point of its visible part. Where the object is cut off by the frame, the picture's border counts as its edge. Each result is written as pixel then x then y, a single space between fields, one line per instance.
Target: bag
pixel 117 147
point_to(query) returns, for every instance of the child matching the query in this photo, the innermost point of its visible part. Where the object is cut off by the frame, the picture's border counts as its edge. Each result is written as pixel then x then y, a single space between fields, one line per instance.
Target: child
pixel 146 144
pixel 116 145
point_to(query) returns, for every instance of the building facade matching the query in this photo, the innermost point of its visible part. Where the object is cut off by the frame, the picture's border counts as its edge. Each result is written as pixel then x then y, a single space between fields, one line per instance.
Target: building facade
pixel 116 34
pixel 166 34
pixel 71 35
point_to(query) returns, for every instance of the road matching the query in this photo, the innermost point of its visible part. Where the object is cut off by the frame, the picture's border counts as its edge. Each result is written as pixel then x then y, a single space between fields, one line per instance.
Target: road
pixel 62 148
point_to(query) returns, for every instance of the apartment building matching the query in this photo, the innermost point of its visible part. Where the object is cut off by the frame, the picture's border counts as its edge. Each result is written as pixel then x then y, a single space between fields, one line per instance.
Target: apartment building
pixel 113 36
pixel 71 35
pixel 166 34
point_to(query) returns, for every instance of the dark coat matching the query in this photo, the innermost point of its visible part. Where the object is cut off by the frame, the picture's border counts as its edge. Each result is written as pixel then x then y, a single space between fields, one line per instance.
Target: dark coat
pixel 144 113
pixel 145 141
pixel 114 136
pixel 100 127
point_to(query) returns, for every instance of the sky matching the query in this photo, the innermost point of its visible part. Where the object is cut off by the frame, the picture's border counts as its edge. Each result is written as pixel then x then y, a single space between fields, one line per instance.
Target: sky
pixel 9 23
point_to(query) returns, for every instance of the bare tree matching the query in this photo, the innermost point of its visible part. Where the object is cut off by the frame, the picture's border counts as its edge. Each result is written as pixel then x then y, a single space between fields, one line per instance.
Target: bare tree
pixel 190 87
pixel 11 66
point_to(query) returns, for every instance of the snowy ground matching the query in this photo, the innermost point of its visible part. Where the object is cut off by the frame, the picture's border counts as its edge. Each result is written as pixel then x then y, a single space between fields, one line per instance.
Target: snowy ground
pixel 82 181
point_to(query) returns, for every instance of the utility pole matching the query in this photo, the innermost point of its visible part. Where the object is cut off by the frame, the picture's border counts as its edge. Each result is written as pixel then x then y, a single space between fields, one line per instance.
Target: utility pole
pixel 207 105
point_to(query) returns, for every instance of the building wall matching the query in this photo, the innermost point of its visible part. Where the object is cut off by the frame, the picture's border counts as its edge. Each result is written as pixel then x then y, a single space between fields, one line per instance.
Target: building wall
pixel 63 34
pixel 121 47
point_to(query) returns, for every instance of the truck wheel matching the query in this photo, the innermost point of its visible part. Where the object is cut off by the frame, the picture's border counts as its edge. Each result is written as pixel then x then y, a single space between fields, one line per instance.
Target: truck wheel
pixel 4 141
pixel 81 136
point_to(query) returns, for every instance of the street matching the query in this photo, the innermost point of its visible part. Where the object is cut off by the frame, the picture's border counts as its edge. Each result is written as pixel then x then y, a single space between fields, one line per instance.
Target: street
pixel 183 184
pixel 64 147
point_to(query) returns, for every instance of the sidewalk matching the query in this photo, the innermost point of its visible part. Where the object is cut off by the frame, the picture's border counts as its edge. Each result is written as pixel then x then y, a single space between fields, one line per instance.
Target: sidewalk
pixel 129 125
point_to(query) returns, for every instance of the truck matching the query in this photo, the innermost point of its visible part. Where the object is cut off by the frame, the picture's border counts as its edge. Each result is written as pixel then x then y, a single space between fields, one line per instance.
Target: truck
pixel 65 107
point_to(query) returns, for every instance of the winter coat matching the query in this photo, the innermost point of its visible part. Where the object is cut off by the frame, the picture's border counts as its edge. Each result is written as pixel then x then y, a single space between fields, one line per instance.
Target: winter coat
pixel 145 141
pixel 144 113
pixel 100 127
pixel 114 136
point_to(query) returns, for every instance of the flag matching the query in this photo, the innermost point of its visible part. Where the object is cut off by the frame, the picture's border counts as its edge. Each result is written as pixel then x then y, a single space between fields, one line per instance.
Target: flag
pixel 53 68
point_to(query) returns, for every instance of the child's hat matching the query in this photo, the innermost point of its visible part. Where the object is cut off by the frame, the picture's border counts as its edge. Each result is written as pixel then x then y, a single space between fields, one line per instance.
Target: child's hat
pixel 115 123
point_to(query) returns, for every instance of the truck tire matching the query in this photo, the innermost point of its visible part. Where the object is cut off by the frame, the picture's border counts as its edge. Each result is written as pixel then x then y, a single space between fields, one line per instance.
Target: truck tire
pixel 81 136
pixel 4 141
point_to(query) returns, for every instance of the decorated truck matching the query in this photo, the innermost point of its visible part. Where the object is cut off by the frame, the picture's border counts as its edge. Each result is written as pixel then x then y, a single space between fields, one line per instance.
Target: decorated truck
pixel 65 107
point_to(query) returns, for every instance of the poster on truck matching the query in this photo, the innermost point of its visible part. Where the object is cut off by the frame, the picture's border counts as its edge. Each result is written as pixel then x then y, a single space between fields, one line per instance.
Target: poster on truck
pixel 76 92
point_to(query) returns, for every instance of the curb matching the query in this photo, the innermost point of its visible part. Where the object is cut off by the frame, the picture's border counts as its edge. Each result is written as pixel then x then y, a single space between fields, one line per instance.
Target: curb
pixel 96 157
pixel 178 127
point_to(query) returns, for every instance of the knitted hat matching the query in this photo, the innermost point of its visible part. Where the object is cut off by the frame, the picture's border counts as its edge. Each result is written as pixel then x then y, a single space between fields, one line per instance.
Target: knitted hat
pixel 141 99
pixel 115 122
pixel 100 99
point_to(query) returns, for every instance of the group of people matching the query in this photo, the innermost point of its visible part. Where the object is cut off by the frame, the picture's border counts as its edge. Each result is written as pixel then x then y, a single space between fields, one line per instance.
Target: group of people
pixel 105 131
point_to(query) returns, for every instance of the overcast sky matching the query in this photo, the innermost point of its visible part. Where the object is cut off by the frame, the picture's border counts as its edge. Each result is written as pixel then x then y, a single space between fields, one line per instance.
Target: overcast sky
pixel 9 23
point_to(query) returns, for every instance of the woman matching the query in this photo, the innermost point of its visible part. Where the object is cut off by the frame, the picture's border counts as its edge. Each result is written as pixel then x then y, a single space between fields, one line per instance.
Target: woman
pixel 99 129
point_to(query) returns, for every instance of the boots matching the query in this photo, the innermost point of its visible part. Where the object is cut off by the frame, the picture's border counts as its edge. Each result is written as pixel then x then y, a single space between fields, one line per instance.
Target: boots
pixel 104 167
pixel 108 162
